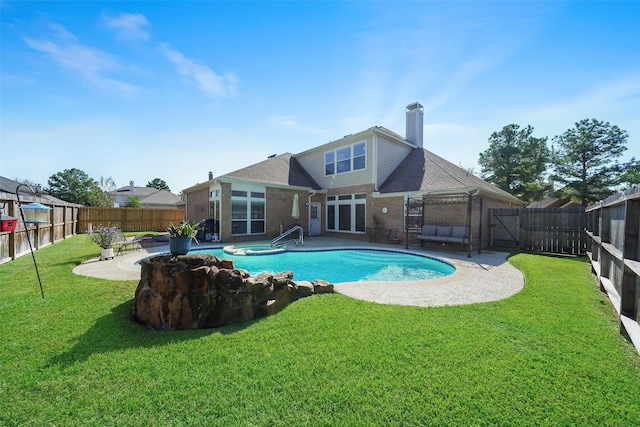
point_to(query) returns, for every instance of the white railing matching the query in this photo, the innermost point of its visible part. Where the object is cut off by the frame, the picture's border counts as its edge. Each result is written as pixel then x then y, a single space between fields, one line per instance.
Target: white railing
pixel 298 241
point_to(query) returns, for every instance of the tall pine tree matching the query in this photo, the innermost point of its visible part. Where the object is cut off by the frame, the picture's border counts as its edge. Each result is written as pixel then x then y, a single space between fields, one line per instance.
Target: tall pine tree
pixel 158 183
pixel 516 162
pixel 585 159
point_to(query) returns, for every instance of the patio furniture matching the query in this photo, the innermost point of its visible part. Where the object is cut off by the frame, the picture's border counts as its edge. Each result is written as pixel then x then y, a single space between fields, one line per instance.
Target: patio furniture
pixel 379 235
pixel 124 243
pixel 443 234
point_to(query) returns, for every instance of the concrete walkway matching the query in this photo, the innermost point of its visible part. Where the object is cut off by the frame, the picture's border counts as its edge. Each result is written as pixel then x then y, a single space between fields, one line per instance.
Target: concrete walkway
pixel 481 278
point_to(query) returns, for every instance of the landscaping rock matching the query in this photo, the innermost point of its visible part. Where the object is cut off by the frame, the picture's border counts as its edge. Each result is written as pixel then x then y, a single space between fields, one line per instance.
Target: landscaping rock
pixel 203 291
pixel 305 288
pixel 322 287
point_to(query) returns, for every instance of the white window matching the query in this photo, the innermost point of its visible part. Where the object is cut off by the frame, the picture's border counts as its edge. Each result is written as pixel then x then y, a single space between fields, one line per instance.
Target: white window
pixel 248 213
pixel 347 213
pixel 346 159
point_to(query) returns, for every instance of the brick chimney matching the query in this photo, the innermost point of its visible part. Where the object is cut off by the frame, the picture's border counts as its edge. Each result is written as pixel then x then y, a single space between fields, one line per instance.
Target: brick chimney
pixel 210 176
pixel 415 127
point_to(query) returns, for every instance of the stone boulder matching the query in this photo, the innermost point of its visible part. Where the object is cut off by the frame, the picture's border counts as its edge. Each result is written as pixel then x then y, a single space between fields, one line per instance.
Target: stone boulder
pixel 204 291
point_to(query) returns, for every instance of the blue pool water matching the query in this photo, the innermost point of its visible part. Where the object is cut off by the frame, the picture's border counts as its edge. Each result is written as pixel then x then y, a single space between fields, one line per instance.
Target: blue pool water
pixel 348 265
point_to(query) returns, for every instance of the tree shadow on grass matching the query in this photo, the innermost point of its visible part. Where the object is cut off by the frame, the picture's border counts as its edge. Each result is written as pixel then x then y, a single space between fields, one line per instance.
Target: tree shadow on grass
pixel 118 331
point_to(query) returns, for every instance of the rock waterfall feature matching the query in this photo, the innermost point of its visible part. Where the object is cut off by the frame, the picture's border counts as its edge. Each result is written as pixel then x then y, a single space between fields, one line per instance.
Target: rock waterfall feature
pixel 204 291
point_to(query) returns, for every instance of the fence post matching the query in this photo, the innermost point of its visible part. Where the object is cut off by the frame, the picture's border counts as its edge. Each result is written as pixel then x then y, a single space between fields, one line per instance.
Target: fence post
pixel 628 297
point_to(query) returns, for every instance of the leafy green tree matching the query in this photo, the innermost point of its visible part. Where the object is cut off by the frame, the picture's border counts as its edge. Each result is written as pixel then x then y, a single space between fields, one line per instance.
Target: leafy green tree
pixel 630 173
pixel 159 184
pixel 100 193
pixel 585 159
pixel 133 202
pixel 72 185
pixel 516 162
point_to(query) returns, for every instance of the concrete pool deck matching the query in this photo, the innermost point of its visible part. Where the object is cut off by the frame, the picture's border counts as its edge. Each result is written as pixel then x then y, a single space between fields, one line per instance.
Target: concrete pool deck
pixel 483 277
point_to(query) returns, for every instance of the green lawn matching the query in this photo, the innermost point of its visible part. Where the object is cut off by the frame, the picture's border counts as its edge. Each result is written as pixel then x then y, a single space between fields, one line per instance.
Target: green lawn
pixel 550 355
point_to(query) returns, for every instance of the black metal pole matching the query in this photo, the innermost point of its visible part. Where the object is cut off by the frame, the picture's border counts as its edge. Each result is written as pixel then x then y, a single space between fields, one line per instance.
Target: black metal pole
pixel 406 224
pixel 27 232
pixel 469 212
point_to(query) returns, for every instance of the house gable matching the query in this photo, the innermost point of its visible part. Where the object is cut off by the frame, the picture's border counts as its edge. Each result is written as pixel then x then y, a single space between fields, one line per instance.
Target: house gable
pixel 384 150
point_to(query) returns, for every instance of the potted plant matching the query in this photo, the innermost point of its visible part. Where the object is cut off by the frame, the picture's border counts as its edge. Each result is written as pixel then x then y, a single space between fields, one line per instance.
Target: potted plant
pixel 104 236
pixel 180 237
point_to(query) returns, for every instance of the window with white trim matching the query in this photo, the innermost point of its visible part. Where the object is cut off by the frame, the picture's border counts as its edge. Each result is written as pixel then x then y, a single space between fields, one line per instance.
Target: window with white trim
pixel 346 159
pixel 347 213
pixel 248 213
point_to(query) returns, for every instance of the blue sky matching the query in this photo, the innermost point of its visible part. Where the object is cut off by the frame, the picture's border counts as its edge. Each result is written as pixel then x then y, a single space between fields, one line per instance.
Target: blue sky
pixel 173 90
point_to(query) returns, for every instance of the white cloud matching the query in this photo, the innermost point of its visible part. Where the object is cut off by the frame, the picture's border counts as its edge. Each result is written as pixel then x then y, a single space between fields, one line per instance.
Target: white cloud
pixel 61 33
pixel 128 26
pixel 211 83
pixel 463 75
pixel 292 123
pixel 89 63
pixel 14 80
pixel 601 99
pixel 616 101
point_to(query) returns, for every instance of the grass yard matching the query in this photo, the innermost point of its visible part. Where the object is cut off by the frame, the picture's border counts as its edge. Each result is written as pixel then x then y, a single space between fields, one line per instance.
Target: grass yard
pixel 550 355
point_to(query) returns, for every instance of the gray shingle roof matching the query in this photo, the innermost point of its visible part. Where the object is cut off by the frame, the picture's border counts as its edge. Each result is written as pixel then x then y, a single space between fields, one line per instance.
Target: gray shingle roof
pixel 554 202
pixel 280 170
pixel 148 195
pixel 9 186
pixel 423 171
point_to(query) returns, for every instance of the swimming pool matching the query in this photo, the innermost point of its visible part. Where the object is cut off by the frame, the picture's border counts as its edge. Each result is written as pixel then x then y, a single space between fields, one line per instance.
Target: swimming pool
pixel 342 265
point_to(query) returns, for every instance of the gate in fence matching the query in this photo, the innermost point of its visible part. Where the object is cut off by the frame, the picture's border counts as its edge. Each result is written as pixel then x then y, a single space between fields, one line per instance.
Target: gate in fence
pixel 552 230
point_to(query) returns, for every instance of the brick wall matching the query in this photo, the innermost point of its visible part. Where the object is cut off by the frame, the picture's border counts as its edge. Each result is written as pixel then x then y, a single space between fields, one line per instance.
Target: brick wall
pixel 279 205
pixel 198 205
pixel 392 220
pixel 225 211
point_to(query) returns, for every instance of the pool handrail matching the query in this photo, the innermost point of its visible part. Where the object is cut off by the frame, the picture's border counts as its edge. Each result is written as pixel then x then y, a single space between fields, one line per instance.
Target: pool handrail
pixel 298 241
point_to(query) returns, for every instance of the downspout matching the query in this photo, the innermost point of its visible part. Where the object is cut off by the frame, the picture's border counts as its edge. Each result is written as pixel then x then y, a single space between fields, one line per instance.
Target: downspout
pixel 469 212
pixel 311 194
pixel 480 229
pixel 185 198
pixel 374 162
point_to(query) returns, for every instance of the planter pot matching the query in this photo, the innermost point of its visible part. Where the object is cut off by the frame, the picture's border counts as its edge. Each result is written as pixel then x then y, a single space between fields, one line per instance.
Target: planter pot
pixel 179 245
pixel 106 253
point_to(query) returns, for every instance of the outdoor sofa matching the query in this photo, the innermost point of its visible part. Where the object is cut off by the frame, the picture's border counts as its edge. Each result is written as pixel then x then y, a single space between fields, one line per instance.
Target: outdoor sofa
pixel 443 234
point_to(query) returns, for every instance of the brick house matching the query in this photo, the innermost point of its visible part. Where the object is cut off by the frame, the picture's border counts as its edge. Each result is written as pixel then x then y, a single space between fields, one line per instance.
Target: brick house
pixel 371 182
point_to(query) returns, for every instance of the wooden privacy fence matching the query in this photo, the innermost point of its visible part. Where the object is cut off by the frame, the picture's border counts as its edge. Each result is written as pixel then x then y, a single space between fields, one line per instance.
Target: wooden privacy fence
pixel 129 219
pixel 553 230
pixel 61 223
pixel 613 230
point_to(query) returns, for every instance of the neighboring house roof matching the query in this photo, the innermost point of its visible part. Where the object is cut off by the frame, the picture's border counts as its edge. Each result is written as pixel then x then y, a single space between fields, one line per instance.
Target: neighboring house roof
pixel 9 186
pixel 284 170
pixel 424 172
pixel 148 195
pixel 554 202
